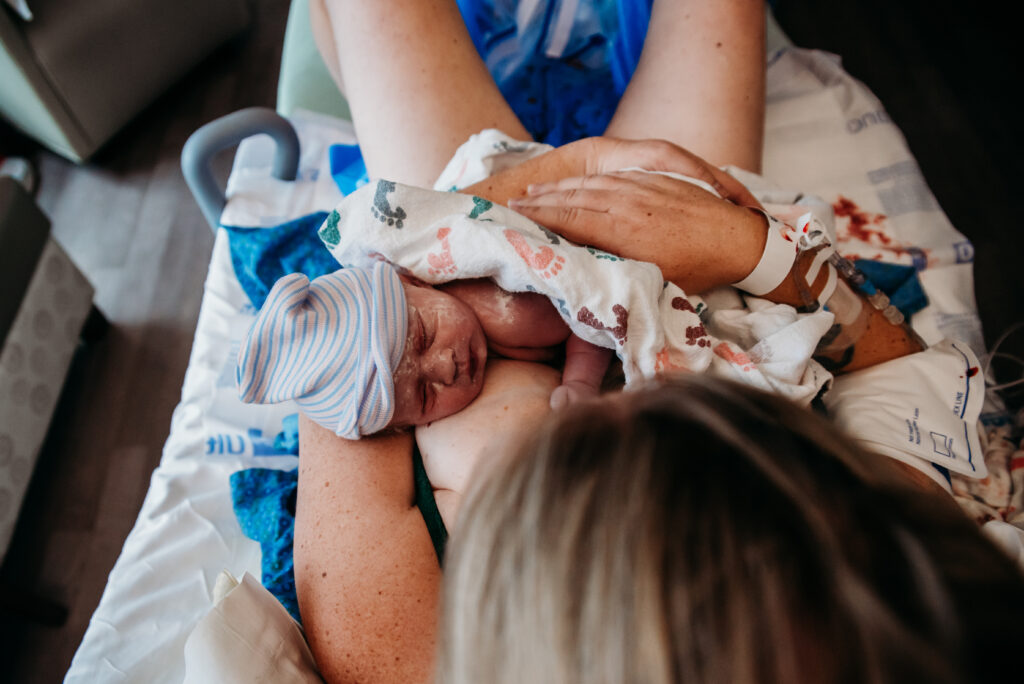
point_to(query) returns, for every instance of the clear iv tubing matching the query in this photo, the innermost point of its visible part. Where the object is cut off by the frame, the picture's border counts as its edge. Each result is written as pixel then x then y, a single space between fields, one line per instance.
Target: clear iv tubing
pixel 995 352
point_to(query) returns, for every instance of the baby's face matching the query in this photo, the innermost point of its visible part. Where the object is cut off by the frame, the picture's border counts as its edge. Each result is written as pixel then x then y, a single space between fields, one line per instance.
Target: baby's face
pixel 442 366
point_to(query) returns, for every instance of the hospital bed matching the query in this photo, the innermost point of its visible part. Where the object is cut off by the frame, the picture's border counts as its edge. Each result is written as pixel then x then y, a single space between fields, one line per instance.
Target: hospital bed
pixel 187 531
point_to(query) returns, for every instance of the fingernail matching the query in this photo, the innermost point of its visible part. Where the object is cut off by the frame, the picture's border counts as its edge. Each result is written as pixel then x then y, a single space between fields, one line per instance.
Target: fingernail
pixel 535 188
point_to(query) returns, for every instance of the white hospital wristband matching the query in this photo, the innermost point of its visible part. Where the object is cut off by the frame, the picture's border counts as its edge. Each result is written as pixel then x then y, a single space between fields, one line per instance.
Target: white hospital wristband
pixel 776 260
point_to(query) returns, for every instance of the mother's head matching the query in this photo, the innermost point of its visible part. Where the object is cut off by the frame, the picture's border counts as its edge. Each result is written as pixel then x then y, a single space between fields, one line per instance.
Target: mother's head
pixel 703 531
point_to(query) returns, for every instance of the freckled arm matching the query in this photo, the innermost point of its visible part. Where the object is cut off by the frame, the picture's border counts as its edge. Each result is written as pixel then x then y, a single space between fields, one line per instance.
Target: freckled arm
pixel 366 574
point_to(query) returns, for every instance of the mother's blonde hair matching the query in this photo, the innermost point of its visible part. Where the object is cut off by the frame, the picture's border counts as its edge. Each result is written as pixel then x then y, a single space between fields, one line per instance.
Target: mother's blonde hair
pixel 703 531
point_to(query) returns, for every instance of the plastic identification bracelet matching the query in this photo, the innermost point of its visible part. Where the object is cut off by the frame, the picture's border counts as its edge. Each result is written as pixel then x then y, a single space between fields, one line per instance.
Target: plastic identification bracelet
pixel 780 251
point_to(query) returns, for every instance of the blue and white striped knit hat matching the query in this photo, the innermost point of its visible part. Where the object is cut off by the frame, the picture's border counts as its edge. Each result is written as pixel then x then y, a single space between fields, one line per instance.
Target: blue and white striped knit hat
pixel 332 345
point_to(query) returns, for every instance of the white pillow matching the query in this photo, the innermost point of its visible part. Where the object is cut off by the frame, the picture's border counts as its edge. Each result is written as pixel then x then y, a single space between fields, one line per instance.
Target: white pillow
pixel 247 637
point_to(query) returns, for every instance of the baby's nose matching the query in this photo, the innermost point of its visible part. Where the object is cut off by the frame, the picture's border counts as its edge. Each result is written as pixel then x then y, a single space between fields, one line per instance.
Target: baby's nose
pixel 441 366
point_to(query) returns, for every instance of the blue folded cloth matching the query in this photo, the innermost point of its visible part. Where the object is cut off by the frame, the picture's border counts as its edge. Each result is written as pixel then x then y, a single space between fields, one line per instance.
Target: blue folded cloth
pixel 900 283
pixel 262 255
pixel 347 167
pixel 264 503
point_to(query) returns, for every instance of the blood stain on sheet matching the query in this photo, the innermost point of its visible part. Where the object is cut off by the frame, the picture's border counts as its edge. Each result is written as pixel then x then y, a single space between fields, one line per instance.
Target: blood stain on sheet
pixel 860 227
pixel 972 371
pixel 860 220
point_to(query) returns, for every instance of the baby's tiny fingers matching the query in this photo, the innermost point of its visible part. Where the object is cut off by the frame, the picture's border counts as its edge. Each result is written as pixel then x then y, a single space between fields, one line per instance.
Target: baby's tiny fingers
pixel 560 397
pixel 572 393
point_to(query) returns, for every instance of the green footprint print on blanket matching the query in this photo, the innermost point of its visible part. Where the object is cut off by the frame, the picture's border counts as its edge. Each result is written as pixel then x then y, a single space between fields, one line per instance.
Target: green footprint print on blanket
pixel 329 231
pixel 382 210
pixel 604 255
pixel 480 205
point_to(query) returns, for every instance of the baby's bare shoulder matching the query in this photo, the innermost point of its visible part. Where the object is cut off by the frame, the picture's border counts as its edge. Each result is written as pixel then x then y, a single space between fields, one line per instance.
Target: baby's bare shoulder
pixel 511 319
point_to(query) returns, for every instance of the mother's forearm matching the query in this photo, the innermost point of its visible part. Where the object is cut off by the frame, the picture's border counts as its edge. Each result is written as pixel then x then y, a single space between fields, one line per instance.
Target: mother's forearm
pixel 366 573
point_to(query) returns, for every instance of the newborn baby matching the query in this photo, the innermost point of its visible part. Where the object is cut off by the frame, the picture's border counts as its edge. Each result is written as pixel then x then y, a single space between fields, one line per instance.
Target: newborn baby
pixel 361 350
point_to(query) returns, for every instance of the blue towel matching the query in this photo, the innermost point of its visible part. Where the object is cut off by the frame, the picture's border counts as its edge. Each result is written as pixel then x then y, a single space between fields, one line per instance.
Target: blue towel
pixel 261 256
pixel 264 503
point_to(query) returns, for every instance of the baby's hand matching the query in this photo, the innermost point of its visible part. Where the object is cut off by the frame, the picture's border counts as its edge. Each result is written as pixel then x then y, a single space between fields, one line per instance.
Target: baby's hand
pixel 572 392
pixel 585 365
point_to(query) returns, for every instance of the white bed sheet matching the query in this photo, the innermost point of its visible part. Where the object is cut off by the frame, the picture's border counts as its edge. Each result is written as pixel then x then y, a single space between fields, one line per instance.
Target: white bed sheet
pixel 826 134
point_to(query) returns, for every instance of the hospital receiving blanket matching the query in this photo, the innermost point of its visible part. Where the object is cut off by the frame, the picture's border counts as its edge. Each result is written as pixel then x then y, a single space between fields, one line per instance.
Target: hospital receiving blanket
pixel 609 301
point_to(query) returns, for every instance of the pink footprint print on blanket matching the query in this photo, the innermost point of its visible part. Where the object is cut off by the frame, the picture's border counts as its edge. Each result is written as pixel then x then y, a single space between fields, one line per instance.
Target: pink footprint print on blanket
pixel 544 260
pixel 738 359
pixel 669 359
pixel 587 317
pixel 442 263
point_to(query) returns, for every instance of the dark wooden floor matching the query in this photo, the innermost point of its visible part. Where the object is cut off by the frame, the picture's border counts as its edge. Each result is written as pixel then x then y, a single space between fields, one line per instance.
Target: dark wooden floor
pixel 128 220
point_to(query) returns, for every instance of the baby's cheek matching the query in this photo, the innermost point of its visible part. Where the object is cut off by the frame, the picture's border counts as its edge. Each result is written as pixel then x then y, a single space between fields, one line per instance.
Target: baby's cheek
pixel 451 400
pixel 406 396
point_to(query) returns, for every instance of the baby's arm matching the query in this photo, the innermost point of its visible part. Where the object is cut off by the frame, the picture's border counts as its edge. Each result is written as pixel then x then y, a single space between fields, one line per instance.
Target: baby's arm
pixel 525 326
pixel 518 325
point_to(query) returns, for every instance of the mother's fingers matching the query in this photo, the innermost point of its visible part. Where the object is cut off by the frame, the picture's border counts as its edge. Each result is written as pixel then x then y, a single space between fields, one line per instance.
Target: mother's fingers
pixel 576 223
pixel 662 155
pixel 613 181
pixel 622 190
pixel 592 195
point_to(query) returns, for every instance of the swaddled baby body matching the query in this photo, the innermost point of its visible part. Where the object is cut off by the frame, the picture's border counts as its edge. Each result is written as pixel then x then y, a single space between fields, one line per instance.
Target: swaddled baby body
pixel 361 350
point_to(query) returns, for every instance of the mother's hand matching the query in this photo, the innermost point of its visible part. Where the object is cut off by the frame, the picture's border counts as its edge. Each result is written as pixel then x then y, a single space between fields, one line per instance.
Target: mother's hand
pixel 592 156
pixel 698 240
pixel 608 155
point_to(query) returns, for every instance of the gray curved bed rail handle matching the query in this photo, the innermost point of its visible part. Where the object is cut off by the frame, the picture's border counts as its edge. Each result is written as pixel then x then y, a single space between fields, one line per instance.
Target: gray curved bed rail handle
pixel 227 131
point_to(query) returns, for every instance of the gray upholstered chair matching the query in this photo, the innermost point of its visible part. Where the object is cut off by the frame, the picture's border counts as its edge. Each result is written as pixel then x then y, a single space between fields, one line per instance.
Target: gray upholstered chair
pixel 79 71
pixel 45 309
